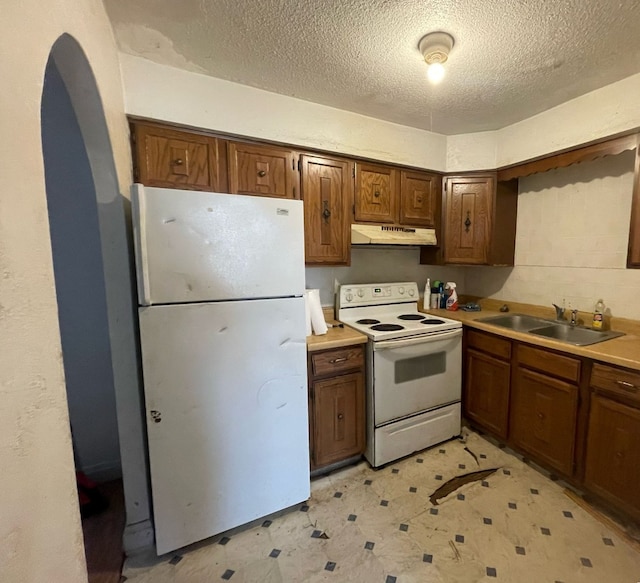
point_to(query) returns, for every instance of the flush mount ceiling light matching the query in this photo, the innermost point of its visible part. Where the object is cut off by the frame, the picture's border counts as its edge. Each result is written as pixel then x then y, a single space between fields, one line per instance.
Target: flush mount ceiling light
pixel 435 48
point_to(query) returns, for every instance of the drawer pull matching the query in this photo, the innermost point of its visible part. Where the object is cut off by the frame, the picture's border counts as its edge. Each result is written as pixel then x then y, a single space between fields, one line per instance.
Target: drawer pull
pixel 262 173
pixel 337 360
pixel 340 416
pixel 627 386
pixel 178 162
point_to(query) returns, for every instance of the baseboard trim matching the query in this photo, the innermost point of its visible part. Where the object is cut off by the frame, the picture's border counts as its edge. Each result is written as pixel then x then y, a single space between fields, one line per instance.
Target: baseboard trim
pixel 138 537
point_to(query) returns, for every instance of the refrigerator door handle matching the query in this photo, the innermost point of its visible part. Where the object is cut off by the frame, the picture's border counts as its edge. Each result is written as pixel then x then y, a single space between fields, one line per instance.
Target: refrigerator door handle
pixel 138 208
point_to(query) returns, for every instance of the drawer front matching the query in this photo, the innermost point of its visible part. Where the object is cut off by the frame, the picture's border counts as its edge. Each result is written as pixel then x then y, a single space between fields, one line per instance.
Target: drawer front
pixel 618 381
pixel 557 365
pixel 499 347
pixel 336 361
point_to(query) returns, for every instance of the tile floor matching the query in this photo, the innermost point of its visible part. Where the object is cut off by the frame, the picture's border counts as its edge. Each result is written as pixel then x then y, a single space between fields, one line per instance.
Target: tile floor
pixel 379 526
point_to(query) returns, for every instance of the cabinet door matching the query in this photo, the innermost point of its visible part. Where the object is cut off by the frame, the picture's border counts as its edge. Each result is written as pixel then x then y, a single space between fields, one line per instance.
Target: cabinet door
pixel 174 159
pixel 487 392
pixel 261 170
pixel 339 428
pixel 376 193
pixel 543 418
pixel 418 198
pixel 613 452
pixel 469 211
pixel 327 191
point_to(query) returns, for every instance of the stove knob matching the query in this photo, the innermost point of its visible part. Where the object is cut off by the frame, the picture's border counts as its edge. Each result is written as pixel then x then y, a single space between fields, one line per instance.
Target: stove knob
pixel 412 292
pixel 349 297
pixel 400 290
pixel 360 293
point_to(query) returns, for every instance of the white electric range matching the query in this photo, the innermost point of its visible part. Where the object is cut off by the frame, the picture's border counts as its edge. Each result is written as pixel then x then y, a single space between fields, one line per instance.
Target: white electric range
pixel 414 369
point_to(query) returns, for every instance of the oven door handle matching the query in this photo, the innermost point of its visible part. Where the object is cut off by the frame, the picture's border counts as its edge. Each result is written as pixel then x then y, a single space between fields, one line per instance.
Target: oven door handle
pixel 416 340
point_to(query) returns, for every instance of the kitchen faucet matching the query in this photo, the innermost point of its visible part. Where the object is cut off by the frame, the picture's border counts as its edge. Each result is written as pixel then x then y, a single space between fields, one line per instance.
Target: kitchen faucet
pixel 559 312
pixel 574 317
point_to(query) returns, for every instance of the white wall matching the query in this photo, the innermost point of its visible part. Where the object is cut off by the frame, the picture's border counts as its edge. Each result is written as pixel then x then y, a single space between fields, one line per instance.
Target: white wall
pixel 378 265
pixel 571 241
pixel 166 93
pixel 80 285
pixel 40 534
pixel 603 112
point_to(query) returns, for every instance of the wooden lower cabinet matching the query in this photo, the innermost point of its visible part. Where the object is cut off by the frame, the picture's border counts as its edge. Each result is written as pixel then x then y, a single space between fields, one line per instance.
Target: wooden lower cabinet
pixel 543 416
pixel 336 405
pixel 612 468
pixel 487 391
pixel 338 421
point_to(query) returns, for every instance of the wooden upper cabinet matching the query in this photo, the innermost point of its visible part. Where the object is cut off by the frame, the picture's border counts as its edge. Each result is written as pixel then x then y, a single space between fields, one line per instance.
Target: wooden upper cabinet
pixel 480 220
pixel 261 170
pixel 419 193
pixel 376 193
pixel 171 158
pixel 469 214
pixel 327 191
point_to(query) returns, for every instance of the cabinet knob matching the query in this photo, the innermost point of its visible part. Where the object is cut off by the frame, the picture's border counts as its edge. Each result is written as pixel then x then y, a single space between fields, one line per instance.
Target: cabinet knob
pixel 262 173
pixel 326 213
pixel 467 223
pixel 540 415
pixel 619 455
pixel 340 416
pixel 376 194
pixel 178 162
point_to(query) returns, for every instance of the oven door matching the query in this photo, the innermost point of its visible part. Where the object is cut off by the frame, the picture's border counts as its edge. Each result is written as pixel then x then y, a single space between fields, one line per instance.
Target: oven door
pixel 411 375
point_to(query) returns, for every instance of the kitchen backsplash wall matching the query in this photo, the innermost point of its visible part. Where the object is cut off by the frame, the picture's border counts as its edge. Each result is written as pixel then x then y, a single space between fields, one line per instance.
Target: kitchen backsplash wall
pixel 379 266
pixel 571 242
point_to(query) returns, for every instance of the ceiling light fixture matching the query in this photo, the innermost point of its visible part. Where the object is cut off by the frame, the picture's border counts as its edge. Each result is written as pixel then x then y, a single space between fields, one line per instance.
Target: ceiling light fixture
pixel 435 48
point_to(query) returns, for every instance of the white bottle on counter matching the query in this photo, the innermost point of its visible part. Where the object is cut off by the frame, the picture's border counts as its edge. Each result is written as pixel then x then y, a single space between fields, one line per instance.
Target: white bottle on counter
pixel 427 294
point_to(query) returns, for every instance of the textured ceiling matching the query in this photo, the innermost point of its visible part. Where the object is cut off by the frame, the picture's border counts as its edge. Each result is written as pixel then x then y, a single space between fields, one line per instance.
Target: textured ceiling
pixel 511 59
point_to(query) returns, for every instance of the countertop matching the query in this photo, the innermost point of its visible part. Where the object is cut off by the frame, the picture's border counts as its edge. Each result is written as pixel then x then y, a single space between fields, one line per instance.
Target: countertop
pixel 622 351
pixel 335 338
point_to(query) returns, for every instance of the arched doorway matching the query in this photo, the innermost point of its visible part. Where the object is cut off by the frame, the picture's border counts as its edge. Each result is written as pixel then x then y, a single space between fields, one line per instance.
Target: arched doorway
pixel 94 289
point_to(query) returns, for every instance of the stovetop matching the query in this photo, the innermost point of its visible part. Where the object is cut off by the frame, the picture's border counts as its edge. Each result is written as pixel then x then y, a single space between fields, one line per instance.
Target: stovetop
pixel 388 311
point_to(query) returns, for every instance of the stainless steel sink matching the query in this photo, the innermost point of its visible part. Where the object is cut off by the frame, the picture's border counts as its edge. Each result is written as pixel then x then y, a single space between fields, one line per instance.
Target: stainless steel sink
pixel 519 322
pixel 574 334
pixel 562 332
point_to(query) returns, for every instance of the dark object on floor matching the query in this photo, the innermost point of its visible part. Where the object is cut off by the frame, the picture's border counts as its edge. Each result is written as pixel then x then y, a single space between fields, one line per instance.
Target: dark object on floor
pixel 454 483
pixel 473 455
pixel 91 500
pixel 103 537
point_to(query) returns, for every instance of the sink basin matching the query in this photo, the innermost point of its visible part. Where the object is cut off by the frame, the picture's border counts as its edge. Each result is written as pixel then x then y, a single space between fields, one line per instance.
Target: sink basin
pixel 575 335
pixel 549 329
pixel 519 322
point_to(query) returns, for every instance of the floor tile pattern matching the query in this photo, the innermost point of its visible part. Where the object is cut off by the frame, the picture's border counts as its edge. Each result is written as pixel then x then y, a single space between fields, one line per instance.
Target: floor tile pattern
pixel 363 525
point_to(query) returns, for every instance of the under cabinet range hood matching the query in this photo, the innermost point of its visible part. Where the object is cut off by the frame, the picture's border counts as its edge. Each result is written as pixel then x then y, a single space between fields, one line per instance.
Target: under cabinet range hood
pixel 386 235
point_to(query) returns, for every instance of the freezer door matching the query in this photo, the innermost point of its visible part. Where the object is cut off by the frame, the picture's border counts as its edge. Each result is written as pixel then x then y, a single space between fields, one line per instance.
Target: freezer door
pixel 226 407
pixel 202 246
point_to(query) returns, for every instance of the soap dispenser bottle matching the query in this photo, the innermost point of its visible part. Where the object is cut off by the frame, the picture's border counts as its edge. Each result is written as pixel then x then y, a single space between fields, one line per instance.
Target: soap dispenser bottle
pixel 598 316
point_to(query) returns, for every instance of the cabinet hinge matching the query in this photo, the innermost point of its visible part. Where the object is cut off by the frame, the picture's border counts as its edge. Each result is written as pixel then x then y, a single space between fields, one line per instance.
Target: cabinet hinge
pixel 353 171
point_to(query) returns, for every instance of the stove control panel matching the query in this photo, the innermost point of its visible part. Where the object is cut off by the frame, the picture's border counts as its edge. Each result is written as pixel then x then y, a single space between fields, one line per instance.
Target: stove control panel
pixel 377 294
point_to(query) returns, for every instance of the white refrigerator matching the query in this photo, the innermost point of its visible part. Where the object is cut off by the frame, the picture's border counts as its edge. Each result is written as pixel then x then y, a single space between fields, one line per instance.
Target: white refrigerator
pixel 222 329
